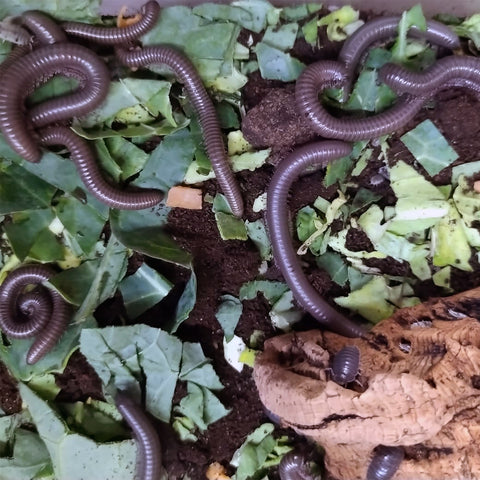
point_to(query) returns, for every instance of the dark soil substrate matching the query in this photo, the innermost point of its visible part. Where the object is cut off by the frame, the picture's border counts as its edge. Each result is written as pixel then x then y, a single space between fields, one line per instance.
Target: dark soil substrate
pixel 222 267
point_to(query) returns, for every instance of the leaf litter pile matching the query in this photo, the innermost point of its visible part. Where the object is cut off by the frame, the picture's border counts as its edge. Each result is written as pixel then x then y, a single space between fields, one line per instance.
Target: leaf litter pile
pixel 173 303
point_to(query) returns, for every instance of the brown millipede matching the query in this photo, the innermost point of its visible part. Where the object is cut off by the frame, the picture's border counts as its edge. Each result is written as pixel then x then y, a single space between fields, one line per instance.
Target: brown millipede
pixel 315 154
pixel 201 102
pixel 381 29
pixel 90 174
pixel 21 77
pixel 325 74
pixel 19 310
pixel 149 463
pixel 116 36
pixel 45 30
pixel 385 462
pixel 465 71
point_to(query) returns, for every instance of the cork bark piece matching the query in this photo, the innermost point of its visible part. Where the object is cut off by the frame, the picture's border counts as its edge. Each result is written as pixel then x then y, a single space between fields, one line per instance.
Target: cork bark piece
pixel 418 387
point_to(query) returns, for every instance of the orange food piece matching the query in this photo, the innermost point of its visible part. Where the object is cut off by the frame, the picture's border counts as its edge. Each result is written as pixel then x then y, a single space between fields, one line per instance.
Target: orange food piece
pixel 123 21
pixel 185 197
pixel 476 186
pixel 216 471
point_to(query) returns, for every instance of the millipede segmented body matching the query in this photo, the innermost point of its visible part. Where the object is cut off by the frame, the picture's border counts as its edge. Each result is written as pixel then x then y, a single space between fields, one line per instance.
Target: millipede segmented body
pixel 201 102
pixel 116 36
pixel 313 155
pixel 294 466
pixel 345 365
pixel 44 29
pixel 326 74
pixel 149 463
pixel 382 29
pixel 385 462
pixel 42 312
pixel 26 72
pixel 84 159
pixel 449 71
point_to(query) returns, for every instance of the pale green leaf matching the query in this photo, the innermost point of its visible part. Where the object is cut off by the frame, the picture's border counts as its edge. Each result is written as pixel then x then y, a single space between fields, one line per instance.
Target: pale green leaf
pixel 142 290
pixel 271 290
pixel 429 147
pixel 335 266
pixel 257 232
pixel 83 10
pixel 228 314
pixel 282 37
pixel 277 65
pixel 185 304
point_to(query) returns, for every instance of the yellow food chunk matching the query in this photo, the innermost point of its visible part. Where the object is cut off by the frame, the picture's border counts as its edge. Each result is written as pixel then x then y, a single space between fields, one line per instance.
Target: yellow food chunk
pixel 185 197
pixel 123 21
pixel 216 471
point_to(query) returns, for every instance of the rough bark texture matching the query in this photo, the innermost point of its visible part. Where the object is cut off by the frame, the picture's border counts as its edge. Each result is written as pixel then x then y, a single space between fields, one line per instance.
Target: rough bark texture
pixel 418 386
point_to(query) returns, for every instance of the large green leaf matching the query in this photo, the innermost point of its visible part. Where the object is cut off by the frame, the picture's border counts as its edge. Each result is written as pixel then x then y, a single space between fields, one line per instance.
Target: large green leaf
pixel 74 456
pixel 143 231
pixel 20 190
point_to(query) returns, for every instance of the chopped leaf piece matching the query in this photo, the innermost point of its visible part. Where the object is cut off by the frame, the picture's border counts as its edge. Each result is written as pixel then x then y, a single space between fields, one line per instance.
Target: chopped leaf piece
pixel 257 232
pixel 282 37
pixel 449 242
pixel 469 28
pixel 229 226
pixel 142 290
pixel 283 313
pixel 232 350
pixel 335 266
pixel 109 461
pixel 429 147
pixel 185 304
pixel 271 290
pixel 336 22
pixel 277 65
pixel 228 314
pixel 121 356
pixel 467 201
pixel 410 18
pixel 371 301
pixel 442 278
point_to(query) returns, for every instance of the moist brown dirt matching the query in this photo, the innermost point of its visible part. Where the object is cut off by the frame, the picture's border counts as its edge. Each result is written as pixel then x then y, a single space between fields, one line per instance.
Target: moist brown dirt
pixel 223 266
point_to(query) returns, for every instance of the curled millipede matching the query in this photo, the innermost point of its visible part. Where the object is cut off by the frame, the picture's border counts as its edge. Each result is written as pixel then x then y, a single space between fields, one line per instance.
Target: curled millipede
pixel 385 462
pixel 84 159
pixel 294 466
pixel 325 74
pixel 345 365
pixel 44 29
pixel 21 77
pixel 201 102
pixel 41 312
pixel 462 70
pixel 316 154
pixel 116 36
pixel 382 29
pixel 149 463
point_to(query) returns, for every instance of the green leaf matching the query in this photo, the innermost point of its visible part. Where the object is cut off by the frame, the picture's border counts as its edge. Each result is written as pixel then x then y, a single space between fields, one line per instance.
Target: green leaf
pixel 55 87
pixel 250 14
pixel 185 304
pixel 228 314
pixel 310 32
pixel 336 22
pixel 110 271
pixel 124 356
pixel 371 301
pixel 252 455
pixel 450 243
pixel 257 232
pixel 429 147
pixel 169 162
pixel 368 95
pixel 20 190
pixel 467 201
pixel 335 266
pixel 30 457
pixel 469 28
pixel 412 17
pixel 363 198
pixel 68 451
pixel 201 406
pixel 337 171
pixel 142 290
pixel 83 10
pixel 271 290
pixel 98 420
pixel 14 355
pixel 277 65
pixel 283 313
pixel 197 368
pixel 45 385
pixel 282 37
pixel 142 231
pixel 82 221
pixel 229 226
pixel 29 236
